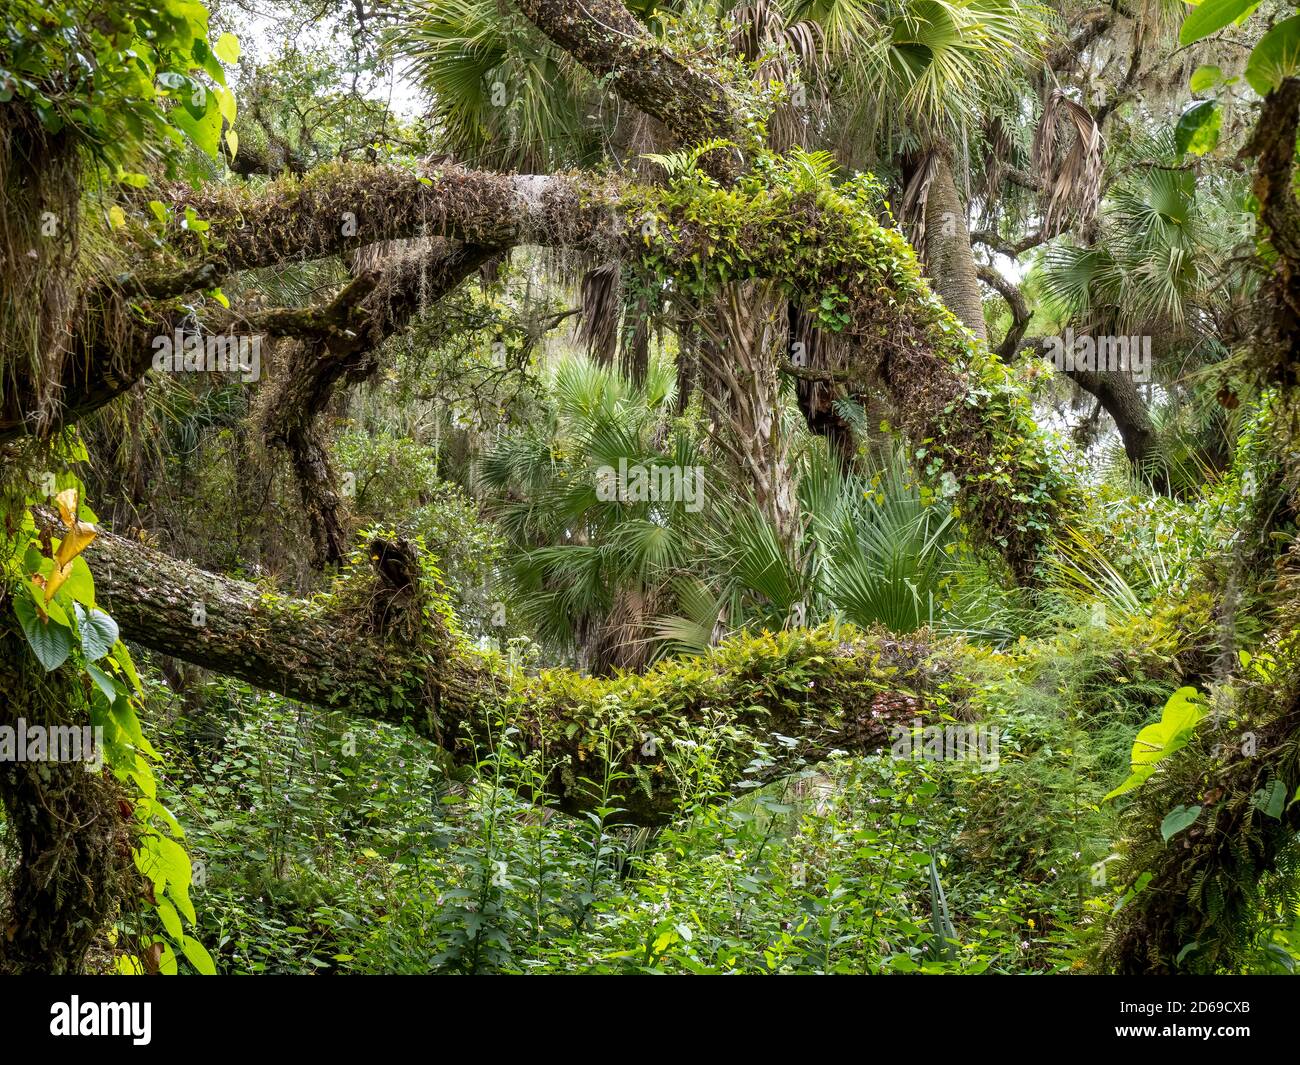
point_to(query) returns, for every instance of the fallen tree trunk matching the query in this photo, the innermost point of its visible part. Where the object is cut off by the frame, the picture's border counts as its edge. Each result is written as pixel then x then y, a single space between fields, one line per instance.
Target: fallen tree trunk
pixel 765 704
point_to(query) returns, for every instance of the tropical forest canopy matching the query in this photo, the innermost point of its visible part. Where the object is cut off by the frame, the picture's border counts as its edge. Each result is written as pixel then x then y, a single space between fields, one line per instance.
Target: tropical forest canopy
pixel 792 486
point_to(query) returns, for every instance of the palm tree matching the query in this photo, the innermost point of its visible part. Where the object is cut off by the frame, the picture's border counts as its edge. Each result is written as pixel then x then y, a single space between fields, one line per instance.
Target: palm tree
pixel 874 548
pixel 913 77
pixel 594 560
pixel 500 94
pixel 1163 263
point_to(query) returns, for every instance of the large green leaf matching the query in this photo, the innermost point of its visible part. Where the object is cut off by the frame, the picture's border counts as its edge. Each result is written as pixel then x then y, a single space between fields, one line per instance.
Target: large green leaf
pixel 198 956
pixel 1177 819
pixel 1182 713
pixel 1198 129
pixel 171 920
pixel 1212 16
pixel 227 48
pixel 98 632
pixel 1271 799
pixel 50 641
pixel 204 131
pixel 1277 56
pixel 1205 77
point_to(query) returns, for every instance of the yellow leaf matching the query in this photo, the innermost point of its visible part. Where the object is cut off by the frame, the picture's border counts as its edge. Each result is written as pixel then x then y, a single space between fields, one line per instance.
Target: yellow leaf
pixel 67 503
pixel 79 537
pixel 116 217
pixel 232 142
pixel 57 576
pixel 226 104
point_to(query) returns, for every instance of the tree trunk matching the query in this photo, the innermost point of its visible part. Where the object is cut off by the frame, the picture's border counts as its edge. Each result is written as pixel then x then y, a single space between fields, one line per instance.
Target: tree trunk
pixel 745 330
pixel 1118 394
pixel 949 260
pixel 73 838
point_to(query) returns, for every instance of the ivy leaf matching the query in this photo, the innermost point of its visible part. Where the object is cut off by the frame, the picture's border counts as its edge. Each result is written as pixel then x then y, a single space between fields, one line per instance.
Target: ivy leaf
pixel 98 632
pixel 1177 819
pixel 1270 800
pixel 50 641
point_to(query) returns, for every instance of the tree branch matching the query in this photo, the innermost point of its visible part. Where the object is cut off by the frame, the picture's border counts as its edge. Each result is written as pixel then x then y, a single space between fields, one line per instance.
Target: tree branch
pixel 823 692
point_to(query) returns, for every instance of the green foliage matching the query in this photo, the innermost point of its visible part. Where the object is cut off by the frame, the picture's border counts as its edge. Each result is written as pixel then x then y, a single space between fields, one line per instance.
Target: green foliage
pixel 1171 733
pixel 504 97
pixel 1274 57
pixel 137 79
pixel 986 439
pixel 54 600
pixel 335 848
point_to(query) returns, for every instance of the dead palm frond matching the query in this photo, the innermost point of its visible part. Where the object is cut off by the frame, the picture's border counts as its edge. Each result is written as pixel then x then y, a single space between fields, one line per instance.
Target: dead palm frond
pixel 1072 187
pixel 602 307
pixel 915 198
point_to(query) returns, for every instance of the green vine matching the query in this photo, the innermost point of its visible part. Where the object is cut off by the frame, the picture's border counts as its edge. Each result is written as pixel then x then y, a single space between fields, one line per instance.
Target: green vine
pixel 52 592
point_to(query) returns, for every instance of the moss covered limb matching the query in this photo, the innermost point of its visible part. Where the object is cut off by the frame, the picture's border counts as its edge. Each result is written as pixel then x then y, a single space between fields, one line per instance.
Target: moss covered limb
pixel 760 705
pixel 336 210
pixel 968 420
pixel 343 207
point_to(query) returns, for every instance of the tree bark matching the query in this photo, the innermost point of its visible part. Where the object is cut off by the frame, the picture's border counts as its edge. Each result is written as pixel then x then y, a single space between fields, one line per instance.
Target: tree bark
pixel 744 329
pixel 72 835
pixel 1118 394
pixel 1277 342
pixel 606 38
pixel 1116 391
pixel 948 257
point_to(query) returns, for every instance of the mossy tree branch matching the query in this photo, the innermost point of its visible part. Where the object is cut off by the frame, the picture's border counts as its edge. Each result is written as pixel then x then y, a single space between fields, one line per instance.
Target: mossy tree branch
pixel 765 704
pixel 954 400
